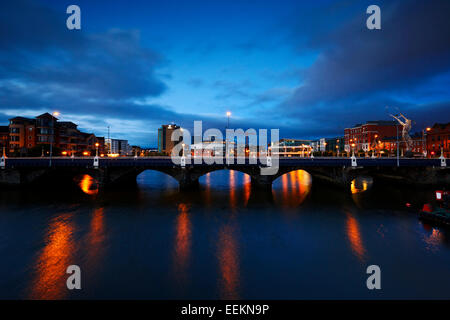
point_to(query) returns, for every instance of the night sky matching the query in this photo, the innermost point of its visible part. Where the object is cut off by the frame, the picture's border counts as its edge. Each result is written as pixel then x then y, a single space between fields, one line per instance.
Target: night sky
pixel 309 68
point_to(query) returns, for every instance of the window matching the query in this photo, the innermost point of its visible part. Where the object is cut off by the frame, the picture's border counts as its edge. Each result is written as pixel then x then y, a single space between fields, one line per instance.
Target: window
pixel 14 130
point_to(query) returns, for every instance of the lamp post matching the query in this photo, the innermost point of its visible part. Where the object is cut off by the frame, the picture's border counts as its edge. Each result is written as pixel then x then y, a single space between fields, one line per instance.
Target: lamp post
pixel 228 119
pixel 226 139
pixel 109 140
pixel 398 149
pixel 424 141
pixel 96 149
pixel 54 114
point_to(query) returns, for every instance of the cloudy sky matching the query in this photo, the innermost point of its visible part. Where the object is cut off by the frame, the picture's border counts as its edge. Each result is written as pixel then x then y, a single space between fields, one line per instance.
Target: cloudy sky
pixel 309 68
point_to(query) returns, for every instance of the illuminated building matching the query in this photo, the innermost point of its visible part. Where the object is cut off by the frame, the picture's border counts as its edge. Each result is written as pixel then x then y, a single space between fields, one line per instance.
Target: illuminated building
pixel 292 148
pixel 438 139
pixel 25 134
pixel 335 144
pixel 22 134
pixel 4 138
pixel 117 147
pixel 165 143
pixel 366 136
pixel 390 144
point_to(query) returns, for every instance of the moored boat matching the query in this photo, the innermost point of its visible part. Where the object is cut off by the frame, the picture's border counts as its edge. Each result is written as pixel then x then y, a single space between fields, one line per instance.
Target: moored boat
pixel 439 213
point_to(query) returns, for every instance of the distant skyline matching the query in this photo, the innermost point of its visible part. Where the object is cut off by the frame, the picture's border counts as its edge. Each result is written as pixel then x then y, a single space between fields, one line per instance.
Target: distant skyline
pixel 308 68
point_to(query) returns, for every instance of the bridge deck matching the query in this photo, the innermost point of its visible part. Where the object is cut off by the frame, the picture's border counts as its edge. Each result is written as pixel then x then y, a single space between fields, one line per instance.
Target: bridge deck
pixel 167 161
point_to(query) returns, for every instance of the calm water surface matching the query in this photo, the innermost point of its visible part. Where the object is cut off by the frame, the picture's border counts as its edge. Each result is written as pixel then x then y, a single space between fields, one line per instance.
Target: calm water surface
pixel 224 241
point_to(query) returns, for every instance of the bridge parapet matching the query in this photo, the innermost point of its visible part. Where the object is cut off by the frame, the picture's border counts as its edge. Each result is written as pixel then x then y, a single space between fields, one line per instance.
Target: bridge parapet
pixel 340 171
pixel 167 161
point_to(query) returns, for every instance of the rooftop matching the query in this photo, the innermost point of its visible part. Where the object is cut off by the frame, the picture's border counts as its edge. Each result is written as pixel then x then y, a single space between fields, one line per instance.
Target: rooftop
pixel 20 119
pixel 46 115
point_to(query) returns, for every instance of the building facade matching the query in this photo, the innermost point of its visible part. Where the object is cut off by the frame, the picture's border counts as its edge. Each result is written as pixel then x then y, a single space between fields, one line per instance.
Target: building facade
pixel 292 148
pixel 389 145
pixel 4 138
pixel 117 147
pixel 437 138
pixel 165 143
pixel 22 134
pixel 25 134
pixel 366 136
pixel 335 145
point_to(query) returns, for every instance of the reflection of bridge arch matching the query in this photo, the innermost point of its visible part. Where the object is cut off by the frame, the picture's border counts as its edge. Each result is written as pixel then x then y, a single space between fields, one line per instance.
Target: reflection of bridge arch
pixel 237 184
pixel 294 187
pixel 160 175
pixel 218 170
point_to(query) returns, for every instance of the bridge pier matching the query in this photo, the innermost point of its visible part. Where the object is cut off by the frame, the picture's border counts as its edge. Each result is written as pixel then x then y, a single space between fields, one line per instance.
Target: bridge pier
pixel 15 177
pixel 261 182
pixel 188 184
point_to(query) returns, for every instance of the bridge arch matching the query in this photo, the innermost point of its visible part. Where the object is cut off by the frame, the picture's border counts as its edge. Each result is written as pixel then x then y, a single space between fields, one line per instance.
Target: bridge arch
pixel 232 180
pixel 291 189
pixel 156 178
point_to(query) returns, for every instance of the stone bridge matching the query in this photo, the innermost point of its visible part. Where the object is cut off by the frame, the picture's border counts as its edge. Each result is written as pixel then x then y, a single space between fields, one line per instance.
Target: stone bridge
pixel 120 171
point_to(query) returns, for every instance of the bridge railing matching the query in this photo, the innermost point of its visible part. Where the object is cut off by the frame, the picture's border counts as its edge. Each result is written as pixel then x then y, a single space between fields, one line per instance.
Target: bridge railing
pixel 167 161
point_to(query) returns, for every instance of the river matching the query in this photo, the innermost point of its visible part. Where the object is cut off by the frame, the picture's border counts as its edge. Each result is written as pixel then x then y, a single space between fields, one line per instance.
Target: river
pixel 223 241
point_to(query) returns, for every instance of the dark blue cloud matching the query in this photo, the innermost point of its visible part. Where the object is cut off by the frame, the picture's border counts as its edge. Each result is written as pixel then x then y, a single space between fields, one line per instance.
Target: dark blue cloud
pixel 358 72
pixel 43 64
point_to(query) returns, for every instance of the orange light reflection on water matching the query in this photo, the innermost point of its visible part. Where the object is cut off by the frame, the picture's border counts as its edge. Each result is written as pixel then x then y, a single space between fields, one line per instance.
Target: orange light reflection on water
pixel 354 237
pixel 52 262
pixel 208 189
pixel 86 184
pixel 182 247
pixel 295 186
pixel 359 188
pixel 228 256
pixel 96 238
pixel 233 200
pixel 434 240
pixel 247 188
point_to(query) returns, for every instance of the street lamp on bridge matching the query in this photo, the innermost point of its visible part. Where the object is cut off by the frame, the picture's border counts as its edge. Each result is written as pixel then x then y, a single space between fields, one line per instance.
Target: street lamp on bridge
pixel 54 115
